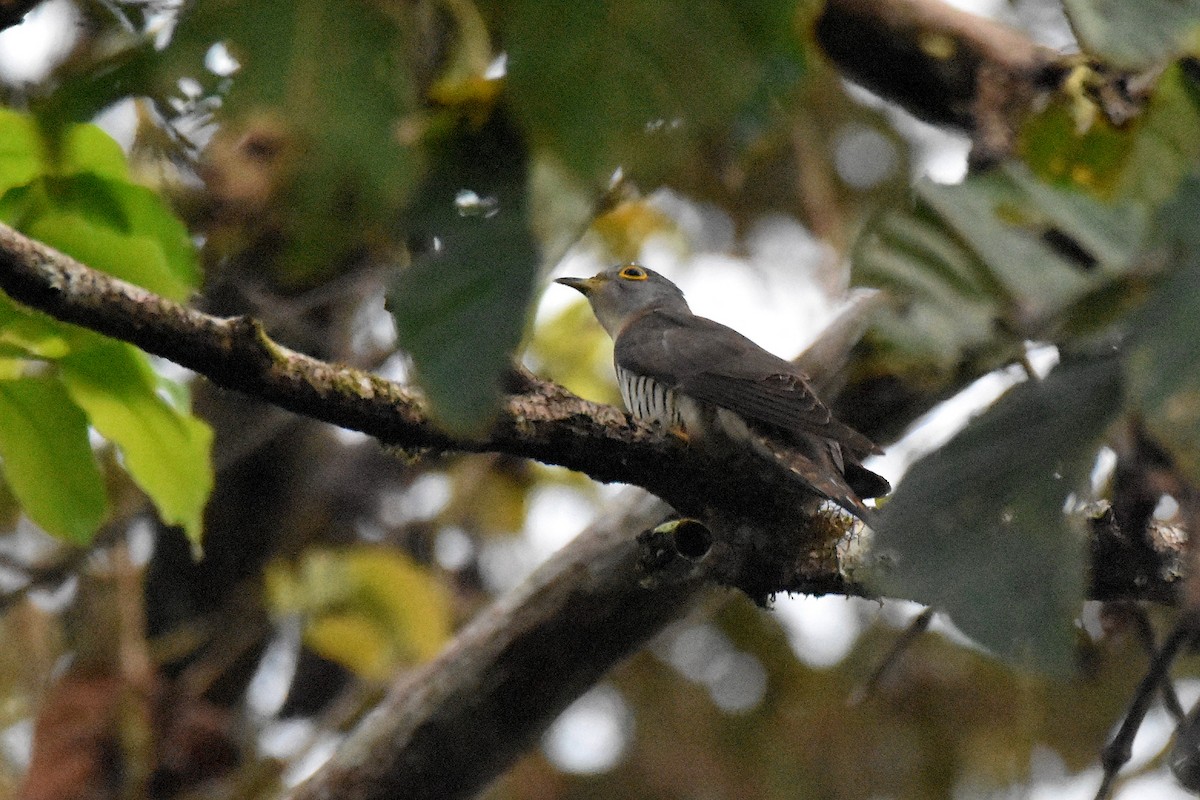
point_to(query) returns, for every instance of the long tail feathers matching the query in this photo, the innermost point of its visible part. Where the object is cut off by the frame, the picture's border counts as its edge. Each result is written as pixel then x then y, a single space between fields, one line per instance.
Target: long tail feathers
pixel 826 479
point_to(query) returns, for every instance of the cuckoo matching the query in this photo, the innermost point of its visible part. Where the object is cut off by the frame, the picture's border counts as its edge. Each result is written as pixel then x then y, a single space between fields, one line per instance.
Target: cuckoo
pixel 707 382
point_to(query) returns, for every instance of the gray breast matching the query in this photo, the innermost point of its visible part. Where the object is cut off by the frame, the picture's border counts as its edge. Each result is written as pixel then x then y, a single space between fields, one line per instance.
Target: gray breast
pixel 648 400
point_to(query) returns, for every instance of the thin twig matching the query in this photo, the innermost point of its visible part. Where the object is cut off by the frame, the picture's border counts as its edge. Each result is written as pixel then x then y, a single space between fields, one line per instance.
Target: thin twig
pixel 1118 751
pixel 911 633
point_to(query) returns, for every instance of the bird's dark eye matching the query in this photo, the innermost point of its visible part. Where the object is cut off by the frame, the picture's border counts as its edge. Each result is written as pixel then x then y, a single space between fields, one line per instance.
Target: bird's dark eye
pixel 632 273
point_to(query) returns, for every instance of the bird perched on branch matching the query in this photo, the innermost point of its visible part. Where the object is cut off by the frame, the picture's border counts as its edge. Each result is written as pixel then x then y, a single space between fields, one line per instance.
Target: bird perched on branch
pixel 707 382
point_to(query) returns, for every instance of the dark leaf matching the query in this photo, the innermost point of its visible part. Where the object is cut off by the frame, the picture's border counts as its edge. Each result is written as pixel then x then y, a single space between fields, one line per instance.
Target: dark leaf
pixel 460 309
pixel 977 528
pixel 638 84
pixel 1132 35
pixel 1165 363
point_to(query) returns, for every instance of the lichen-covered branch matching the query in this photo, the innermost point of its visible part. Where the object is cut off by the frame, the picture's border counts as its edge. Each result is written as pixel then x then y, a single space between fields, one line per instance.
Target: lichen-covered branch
pixel 765 539
pixel 766 544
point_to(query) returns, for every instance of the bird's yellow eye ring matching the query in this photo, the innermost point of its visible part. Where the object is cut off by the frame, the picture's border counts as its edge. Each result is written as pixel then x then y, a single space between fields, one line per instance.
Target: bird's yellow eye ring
pixel 633 273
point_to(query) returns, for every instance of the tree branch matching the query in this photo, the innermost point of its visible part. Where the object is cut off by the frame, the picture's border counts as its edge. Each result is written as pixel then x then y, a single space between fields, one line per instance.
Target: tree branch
pixel 765 544
pixel 764 539
pixel 512 670
pixel 12 12
pixel 946 66
pixel 596 597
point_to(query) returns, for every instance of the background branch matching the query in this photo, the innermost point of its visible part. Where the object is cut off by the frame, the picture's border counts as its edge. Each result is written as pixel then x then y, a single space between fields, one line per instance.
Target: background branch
pixel 13 11
pixel 944 65
pixel 513 669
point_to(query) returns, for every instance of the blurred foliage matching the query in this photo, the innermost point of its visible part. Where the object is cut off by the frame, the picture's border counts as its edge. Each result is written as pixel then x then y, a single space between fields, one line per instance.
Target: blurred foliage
pixel 979 268
pixel 1043 264
pixel 72 191
pixel 460 149
pixel 369 608
pixel 460 307
pixel 641 108
pixel 1164 378
pixel 321 90
pixel 1072 141
pixel 1136 35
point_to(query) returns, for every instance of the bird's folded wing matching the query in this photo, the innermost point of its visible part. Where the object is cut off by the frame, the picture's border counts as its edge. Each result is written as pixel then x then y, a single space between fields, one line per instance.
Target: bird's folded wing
pixel 715 364
pixel 780 400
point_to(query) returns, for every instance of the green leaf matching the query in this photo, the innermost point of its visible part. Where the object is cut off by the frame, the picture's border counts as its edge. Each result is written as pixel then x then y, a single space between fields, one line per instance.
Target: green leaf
pixel 47 460
pixel 166 451
pixel 21 151
pixel 87 148
pixel 461 308
pixel 977 528
pixel 1165 364
pixel 981 267
pixel 26 153
pixel 28 334
pixel 73 195
pixel 329 82
pixel 639 84
pixel 1133 35
pixel 110 225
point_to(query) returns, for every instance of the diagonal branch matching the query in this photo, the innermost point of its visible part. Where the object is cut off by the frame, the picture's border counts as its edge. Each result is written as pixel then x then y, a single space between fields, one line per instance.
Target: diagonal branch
pixel 927 55
pixel 449 727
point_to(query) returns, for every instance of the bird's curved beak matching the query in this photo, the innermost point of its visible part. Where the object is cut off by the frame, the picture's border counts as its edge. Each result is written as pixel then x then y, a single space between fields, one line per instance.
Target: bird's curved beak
pixel 583 285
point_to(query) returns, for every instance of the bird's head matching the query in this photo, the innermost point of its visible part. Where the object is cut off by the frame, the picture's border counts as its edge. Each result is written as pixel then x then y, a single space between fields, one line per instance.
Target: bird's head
pixel 619 294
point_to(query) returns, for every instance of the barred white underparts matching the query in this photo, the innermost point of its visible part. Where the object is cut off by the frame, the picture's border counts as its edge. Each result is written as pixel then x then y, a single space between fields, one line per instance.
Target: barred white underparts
pixel 649 400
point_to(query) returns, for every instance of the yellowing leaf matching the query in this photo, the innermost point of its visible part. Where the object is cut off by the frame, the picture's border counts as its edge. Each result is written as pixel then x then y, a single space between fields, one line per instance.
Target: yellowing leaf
pixel 489 495
pixel 625 228
pixel 573 350
pixel 353 641
pixel 367 608
pixel 1144 159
